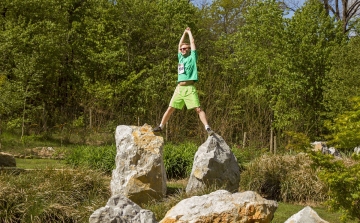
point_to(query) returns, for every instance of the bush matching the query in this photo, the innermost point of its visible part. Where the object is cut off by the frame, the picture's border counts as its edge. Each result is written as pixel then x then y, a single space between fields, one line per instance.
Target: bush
pixel 95 157
pixel 178 159
pixel 51 195
pixel 246 155
pixel 284 178
pixel 343 179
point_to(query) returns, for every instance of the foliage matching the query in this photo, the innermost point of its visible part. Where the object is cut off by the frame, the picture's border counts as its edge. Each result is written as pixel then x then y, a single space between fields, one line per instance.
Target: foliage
pixel 341 77
pixel 178 159
pixel 298 142
pixel 51 196
pixel 284 178
pixel 40 164
pixel 311 35
pixel 345 127
pixel 343 179
pixel 245 155
pixel 49 193
pixel 100 158
pixel 94 64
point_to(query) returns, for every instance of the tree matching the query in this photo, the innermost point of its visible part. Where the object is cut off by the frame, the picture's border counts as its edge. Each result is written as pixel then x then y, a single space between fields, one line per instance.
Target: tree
pixel 342 81
pixel 345 11
pixel 311 35
pixel 251 65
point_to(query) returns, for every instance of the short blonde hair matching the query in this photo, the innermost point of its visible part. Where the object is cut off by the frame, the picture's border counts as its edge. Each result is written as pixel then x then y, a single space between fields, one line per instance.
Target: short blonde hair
pixel 183 44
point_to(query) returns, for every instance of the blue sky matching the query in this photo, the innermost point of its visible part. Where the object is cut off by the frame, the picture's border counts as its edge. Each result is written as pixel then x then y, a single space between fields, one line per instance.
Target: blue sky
pixel 292 3
pixel 200 2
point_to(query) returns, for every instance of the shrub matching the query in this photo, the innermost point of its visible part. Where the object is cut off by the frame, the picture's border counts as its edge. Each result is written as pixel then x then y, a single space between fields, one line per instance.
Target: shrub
pixel 246 155
pixel 343 179
pixel 345 127
pixel 284 178
pixel 95 157
pixel 178 159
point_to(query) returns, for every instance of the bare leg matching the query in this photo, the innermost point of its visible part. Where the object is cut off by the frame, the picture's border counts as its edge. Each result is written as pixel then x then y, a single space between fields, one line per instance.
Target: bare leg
pixel 167 115
pixel 202 116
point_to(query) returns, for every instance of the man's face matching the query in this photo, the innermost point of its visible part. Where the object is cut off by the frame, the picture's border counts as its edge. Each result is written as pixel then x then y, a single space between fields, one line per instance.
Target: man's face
pixel 185 50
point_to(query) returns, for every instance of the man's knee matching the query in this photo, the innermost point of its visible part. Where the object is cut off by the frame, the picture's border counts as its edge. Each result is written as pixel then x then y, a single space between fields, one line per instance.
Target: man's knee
pixel 198 110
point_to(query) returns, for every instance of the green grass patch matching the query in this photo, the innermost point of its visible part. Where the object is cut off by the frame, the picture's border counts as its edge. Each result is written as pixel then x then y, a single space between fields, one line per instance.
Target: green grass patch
pixel 100 158
pixel 286 210
pixel 13 143
pixel 178 159
pixel 40 164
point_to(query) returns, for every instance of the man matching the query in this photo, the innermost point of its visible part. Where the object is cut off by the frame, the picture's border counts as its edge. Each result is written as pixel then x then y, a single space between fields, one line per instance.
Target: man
pixel 185 92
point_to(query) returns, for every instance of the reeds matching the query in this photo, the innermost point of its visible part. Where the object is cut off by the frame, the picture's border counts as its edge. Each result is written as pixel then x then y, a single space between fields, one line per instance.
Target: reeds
pixel 52 195
pixel 284 178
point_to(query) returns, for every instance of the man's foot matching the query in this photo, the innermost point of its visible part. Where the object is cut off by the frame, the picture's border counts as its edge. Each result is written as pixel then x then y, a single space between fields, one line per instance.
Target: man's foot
pixel 209 131
pixel 157 129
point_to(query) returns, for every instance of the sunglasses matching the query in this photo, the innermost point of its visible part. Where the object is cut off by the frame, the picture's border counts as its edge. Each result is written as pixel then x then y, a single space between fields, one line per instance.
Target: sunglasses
pixel 184 48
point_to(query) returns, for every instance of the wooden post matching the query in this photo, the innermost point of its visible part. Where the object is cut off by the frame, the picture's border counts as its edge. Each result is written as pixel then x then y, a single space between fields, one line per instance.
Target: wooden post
pixel 271 140
pixel 244 140
pixel 90 118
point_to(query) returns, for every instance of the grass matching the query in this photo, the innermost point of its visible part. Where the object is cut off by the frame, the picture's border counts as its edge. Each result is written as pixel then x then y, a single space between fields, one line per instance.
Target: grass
pixel 52 196
pixel 40 164
pixel 87 191
pixel 175 193
pixel 285 211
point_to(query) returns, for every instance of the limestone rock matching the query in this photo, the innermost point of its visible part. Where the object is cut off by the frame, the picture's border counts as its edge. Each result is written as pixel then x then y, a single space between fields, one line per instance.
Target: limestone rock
pixel 317 146
pixel 7 160
pixel 306 215
pixel 121 209
pixel 332 151
pixel 140 173
pixel 221 206
pixel 214 165
pixel 357 150
pixel 322 147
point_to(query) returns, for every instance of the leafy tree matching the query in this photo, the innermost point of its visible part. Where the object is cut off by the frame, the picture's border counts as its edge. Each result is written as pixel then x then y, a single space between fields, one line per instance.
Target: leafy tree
pixel 345 127
pixel 255 63
pixel 311 35
pixel 345 11
pixel 342 81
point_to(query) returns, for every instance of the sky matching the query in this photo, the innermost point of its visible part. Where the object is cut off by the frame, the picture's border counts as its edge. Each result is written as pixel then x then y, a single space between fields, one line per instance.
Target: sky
pixel 200 2
pixel 292 3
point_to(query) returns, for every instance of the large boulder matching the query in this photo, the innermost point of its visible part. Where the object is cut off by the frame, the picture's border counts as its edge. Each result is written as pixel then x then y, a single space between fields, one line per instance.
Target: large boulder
pixel 222 206
pixel 214 165
pixel 120 209
pixel 140 173
pixel 306 215
pixel 7 160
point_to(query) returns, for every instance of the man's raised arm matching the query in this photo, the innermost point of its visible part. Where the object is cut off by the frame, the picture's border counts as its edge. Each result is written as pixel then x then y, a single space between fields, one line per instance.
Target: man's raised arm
pixel 191 38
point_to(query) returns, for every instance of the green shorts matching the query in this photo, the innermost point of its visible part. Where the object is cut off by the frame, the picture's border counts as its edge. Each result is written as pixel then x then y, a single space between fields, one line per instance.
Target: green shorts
pixel 185 95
